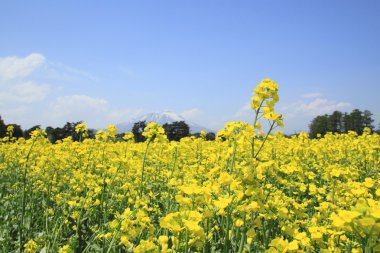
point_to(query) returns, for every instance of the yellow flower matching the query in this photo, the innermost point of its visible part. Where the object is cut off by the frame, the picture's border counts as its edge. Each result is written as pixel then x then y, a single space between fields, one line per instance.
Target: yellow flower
pixel 293 246
pixel 163 239
pixel 238 223
pixel 65 249
pixel 225 178
pixel 30 247
pixel 343 217
pixel 154 131
pixel 112 130
pixel 316 233
pixel 124 240
pixel 171 222
pixel 369 182
pixel 146 246
pixel 366 224
pixel 81 128
pixel 128 136
pixel 222 203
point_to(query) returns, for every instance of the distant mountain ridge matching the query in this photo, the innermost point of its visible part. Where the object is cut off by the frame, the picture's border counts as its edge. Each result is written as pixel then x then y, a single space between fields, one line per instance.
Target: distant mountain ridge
pixel 161 118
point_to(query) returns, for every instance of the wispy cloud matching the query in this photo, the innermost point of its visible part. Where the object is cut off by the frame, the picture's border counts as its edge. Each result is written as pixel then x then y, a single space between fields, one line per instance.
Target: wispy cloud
pixel 60 71
pixel 96 112
pixel 24 92
pixel 27 86
pixel 15 84
pixel 243 111
pixel 314 107
pixel 192 114
pixel 13 67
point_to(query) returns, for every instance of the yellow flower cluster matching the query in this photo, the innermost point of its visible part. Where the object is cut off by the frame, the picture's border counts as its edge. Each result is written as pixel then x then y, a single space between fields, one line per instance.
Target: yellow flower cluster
pixel 245 192
pixel 154 131
pixel 266 92
pixel 82 129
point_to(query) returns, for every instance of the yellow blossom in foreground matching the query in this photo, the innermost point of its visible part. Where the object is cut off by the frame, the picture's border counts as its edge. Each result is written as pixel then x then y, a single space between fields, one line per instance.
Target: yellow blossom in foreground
pixel 250 190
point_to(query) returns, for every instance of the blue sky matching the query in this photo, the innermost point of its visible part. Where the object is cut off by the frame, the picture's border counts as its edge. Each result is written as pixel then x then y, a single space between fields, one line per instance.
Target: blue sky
pixel 110 61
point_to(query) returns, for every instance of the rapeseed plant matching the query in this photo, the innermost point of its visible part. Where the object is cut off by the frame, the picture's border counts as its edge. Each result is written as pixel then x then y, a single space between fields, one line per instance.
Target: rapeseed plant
pixel 247 191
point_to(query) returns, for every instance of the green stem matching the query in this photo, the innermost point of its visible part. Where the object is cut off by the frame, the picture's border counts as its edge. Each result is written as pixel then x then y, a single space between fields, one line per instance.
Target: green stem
pixel 254 124
pixel 243 238
pixel 187 241
pixel 113 241
pixel 266 137
pixel 226 236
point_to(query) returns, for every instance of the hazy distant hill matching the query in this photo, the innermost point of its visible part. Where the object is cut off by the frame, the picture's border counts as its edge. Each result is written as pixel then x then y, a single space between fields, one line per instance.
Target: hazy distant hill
pixel 161 118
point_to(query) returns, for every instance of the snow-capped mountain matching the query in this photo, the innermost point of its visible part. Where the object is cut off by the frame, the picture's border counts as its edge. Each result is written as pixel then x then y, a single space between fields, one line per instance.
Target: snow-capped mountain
pixel 161 118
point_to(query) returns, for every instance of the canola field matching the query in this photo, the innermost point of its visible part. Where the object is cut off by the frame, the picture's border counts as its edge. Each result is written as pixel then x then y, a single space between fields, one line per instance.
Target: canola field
pixel 247 191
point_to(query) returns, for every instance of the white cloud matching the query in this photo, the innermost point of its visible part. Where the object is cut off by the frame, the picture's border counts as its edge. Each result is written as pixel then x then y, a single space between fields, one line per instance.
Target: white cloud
pixel 16 87
pixel 191 114
pixel 60 71
pixel 298 115
pixel 67 105
pixel 24 92
pixel 76 108
pixel 317 106
pixel 20 96
pixel 13 67
pixel 96 112
pixel 243 111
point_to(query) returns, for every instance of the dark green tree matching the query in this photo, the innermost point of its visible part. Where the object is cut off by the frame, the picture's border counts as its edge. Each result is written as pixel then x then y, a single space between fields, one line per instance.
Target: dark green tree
pixel 91 133
pixel 347 124
pixel 51 134
pixel 27 132
pixel 3 128
pixel 68 130
pixel 356 118
pixel 338 122
pixel 137 130
pixel 367 119
pixel 17 131
pixel 56 134
pixel 335 122
pixel 318 126
pixel 210 136
pixel 176 130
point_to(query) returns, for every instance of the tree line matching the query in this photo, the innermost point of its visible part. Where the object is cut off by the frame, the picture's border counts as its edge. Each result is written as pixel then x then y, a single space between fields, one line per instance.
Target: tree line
pixel 53 133
pixel 174 131
pixel 339 122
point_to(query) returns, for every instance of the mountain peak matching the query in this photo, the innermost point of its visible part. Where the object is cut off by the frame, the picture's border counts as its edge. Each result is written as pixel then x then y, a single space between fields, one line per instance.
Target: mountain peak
pixel 161 118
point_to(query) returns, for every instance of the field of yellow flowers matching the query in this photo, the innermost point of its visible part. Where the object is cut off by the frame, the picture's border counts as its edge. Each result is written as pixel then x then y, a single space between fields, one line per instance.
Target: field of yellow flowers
pixel 248 191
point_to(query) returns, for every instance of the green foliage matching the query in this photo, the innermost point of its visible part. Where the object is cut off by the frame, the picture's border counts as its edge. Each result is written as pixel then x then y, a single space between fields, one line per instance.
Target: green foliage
pixel 68 130
pixel 210 136
pixel 176 130
pixel 3 128
pixel 27 132
pixel 137 130
pixel 339 122
pixel 17 131
pixel 319 126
